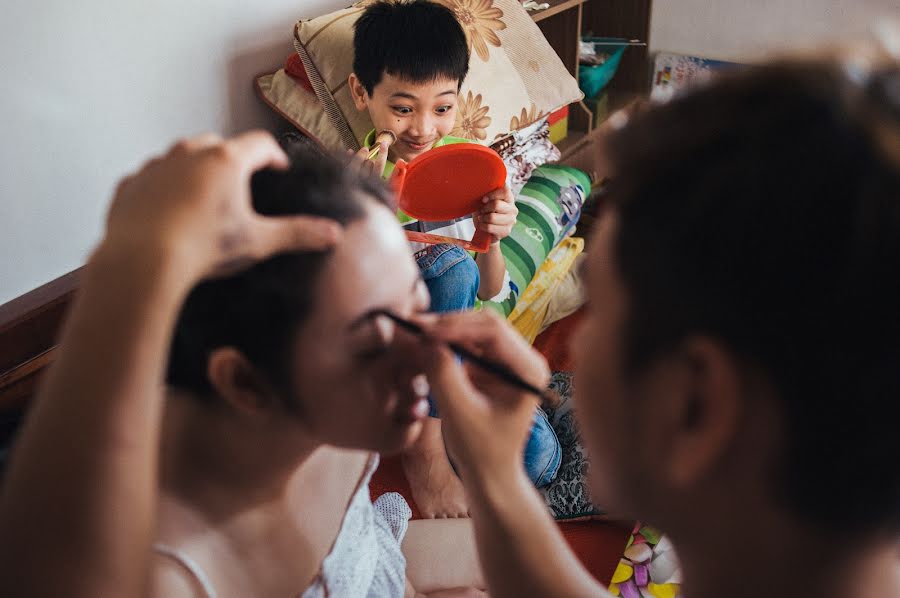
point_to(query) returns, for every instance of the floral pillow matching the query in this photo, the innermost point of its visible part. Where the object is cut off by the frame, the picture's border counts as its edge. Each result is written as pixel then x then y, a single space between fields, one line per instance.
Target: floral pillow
pixel 515 78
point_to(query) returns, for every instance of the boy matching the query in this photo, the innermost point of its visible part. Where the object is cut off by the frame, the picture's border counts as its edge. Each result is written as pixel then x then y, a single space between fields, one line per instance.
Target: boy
pixel 409 63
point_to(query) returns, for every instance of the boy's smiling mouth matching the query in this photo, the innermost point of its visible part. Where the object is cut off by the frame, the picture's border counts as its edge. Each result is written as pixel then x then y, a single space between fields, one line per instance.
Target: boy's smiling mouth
pixel 417 147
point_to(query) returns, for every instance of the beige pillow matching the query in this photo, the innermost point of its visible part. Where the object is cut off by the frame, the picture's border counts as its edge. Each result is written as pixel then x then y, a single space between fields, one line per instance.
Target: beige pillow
pixel 301 108
pixel 514 78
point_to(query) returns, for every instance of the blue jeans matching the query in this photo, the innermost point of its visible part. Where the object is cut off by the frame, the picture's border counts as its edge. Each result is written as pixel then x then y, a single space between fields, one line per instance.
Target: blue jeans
pixel 452 278
pixel 543 453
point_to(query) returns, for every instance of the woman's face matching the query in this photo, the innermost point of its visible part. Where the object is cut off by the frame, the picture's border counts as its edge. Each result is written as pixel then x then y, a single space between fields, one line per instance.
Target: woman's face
pixel 355 378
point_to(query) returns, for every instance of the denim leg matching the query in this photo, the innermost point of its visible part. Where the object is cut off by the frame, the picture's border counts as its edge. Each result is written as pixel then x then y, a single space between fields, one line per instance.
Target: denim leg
pixel 543 453
pixel 451 276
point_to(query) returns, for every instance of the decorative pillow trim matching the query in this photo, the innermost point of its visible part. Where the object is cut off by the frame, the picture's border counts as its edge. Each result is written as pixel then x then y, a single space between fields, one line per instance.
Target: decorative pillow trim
pixel 300 107
pixel 265 80
pixel 337 118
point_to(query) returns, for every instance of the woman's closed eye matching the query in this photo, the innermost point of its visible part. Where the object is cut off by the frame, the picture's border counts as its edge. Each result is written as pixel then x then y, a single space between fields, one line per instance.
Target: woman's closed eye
pixel 372 353
pixel 380 333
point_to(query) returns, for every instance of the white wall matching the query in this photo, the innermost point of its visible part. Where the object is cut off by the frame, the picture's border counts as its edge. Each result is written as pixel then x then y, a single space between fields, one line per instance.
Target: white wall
pixel 90 88
pixel 743 30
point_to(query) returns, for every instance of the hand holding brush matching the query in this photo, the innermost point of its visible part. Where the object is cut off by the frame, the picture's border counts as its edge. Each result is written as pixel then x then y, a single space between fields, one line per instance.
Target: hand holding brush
pixel 488 402
pixel 372 160
pixel 384 138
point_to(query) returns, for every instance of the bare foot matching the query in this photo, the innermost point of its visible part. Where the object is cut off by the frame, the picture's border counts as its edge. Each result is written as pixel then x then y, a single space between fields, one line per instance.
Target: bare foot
pixel 436 488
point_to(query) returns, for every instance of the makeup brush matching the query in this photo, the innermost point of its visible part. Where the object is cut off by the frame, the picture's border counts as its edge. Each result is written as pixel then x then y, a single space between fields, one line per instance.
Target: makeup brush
pixel 382 136
pixel 499 370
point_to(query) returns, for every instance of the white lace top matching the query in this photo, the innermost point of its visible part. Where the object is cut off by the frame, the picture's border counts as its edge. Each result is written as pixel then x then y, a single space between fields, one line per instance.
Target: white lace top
pixel 365 559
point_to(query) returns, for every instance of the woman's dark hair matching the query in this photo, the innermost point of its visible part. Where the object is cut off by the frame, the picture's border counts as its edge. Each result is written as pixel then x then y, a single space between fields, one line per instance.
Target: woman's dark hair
pixel 764 211
pixel 259 310
pixel 416 40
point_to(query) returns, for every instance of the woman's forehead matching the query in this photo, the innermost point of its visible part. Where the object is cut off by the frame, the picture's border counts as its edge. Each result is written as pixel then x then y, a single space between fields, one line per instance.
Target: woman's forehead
pixel 373 266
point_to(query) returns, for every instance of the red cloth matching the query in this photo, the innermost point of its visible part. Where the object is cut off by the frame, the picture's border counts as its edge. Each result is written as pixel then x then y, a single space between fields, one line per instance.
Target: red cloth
pixel 293 66
pixel 558 115
pixel 553 343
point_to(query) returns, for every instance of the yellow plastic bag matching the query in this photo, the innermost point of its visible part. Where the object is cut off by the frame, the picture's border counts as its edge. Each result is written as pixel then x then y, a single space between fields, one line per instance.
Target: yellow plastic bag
pixel 528 315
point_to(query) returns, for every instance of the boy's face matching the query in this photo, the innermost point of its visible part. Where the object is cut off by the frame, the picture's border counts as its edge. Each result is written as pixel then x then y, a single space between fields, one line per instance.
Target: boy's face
pixel 419 114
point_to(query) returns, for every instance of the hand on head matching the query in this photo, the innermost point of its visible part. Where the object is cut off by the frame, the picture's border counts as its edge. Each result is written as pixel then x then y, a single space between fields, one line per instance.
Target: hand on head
pixel 497 215
pixel 193 204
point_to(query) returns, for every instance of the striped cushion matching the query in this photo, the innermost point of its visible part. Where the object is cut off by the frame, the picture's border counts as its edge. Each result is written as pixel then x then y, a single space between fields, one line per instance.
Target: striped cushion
pixel 549 207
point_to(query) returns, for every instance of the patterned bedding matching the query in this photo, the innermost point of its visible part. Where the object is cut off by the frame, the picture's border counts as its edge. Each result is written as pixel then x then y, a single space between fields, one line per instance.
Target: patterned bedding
pixel 549 207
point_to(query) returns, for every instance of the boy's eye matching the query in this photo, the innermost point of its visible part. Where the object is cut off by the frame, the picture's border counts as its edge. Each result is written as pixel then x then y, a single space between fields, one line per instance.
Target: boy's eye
pixel 402 109
pixel 444 109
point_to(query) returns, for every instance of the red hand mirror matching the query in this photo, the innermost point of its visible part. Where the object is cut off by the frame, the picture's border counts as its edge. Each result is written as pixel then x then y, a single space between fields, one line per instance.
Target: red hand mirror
pixel 446 183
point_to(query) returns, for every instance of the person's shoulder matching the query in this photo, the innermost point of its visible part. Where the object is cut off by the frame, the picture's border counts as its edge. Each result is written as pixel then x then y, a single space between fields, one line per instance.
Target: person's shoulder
pixel 169 578
pixel 449 140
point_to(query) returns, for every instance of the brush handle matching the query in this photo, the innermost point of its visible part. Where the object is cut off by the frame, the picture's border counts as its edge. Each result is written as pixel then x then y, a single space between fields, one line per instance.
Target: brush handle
pixel 378 139
pixel 499 370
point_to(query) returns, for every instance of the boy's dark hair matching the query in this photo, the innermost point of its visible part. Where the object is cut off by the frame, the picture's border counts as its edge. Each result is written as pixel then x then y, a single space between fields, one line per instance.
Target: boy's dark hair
pixel 259 310
pixel 764 211
pixel 418 40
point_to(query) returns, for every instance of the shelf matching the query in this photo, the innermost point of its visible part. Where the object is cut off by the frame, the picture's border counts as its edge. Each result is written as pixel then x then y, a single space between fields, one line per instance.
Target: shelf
pixel 582 150
pixel 569 143
pixel 556 7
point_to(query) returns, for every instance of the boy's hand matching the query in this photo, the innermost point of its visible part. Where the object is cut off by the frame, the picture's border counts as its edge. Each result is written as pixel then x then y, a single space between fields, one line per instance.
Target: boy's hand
pixel 375 166
pixel 497 214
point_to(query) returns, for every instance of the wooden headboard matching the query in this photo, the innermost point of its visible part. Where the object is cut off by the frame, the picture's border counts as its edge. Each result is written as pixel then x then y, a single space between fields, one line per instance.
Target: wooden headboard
pixel 29 329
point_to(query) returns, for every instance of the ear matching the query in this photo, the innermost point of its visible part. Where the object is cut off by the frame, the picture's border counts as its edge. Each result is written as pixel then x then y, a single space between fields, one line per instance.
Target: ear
pixel 703 411
pixel 358 91
pixel 235 379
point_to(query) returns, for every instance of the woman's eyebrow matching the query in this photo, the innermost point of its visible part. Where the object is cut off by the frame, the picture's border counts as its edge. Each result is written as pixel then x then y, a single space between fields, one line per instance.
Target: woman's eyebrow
pixel 376 311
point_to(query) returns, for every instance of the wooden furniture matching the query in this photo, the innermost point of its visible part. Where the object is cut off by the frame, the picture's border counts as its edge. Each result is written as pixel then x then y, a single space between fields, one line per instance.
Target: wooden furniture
pixel 561 24
pixel 566 21
pixel 29 329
